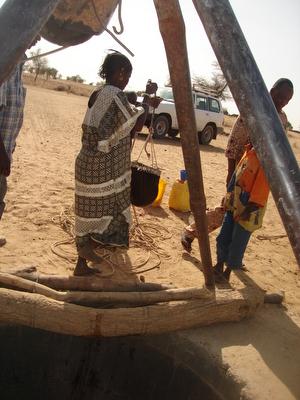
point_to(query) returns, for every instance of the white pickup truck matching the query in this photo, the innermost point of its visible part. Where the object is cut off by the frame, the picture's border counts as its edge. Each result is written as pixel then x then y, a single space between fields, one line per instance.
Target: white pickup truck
pixel 208 112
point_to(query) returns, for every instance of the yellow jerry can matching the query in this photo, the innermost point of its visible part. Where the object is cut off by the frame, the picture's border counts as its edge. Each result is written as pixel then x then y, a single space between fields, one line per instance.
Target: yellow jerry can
pixel 161 190
pixel 180 196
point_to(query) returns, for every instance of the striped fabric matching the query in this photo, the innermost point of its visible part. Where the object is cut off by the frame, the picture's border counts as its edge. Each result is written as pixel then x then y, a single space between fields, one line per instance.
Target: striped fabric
pixel 103 170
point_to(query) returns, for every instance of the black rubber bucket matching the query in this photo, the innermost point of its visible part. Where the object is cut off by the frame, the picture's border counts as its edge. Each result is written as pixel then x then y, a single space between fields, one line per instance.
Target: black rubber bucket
pixel 144 184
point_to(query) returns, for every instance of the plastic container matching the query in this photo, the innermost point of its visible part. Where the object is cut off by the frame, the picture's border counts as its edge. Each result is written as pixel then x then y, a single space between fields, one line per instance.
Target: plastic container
pixel 179 199
pixel 161 190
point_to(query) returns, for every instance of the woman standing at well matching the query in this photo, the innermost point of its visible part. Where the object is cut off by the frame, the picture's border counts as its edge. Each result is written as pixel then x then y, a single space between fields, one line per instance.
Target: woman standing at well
pixel 102 168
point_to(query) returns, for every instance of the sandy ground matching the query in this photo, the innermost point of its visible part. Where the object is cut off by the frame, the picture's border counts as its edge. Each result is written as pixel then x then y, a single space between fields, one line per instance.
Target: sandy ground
pixel 263 352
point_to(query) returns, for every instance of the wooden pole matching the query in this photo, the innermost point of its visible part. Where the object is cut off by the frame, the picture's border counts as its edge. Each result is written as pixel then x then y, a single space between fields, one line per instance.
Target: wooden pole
pixel 172 29
pixel 92 283
pixel 102 298
pixel 37 311
pixel 258 111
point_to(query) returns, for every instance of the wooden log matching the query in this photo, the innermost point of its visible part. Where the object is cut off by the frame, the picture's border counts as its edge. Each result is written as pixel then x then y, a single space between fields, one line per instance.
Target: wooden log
pixel 37 311
pixel 89 283
pixel 172 29
pixel 101 298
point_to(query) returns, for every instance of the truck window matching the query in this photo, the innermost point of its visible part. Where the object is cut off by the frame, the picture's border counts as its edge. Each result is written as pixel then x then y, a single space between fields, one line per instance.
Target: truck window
pixel 214 105
pixel 166 93
pixel 201 103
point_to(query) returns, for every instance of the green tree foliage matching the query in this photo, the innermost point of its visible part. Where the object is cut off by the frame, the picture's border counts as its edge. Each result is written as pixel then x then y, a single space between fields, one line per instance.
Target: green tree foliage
pixel 39 64
pixel 51 73
pixel 216 84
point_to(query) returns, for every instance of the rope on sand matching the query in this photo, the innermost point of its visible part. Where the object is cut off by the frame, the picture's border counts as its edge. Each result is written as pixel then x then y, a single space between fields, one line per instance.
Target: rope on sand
pixel 270 237
pixel 146 236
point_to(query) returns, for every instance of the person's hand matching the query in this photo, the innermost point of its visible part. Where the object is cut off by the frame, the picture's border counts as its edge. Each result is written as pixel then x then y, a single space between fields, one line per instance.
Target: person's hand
pixel 155 101
pixel 151 87
pixel 245 215
pixel 4 163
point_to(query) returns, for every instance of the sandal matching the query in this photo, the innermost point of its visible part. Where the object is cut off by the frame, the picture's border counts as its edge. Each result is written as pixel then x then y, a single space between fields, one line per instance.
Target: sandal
pixel 220 278
pixel 186 242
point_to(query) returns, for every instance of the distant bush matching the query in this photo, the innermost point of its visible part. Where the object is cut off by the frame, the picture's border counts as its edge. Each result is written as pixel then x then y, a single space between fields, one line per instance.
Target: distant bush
pixel 75 78
pixel 63 88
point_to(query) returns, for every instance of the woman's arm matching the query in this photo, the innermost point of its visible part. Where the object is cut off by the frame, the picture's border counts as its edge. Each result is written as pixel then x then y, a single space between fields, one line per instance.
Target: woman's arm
pixel 230 169
pixel 142 118
pixel 151 88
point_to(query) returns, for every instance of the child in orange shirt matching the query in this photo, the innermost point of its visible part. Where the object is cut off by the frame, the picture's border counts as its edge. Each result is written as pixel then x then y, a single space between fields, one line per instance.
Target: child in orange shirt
pixel 245 205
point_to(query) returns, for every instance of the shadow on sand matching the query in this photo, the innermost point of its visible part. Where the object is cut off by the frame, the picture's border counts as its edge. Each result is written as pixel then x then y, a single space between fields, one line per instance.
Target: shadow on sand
pixel 167 140
pixel 271 332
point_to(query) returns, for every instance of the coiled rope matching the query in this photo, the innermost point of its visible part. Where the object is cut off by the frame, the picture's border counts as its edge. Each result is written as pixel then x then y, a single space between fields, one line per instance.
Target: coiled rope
pixel 146 236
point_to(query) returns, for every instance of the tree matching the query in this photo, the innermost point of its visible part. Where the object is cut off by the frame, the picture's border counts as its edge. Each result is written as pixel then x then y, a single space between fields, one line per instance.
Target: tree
pixel 38 63
pixel 51 72
pixel 75 78
pixel 289 126
pixel 217 84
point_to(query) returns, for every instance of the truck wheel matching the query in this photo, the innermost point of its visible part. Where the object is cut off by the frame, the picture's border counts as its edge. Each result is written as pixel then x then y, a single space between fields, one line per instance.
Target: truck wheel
pixel 206 136
pixel 161 126
pixel 173 133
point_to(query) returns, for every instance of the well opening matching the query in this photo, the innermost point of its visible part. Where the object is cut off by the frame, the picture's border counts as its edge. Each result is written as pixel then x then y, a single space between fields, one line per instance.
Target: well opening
pixel 43 365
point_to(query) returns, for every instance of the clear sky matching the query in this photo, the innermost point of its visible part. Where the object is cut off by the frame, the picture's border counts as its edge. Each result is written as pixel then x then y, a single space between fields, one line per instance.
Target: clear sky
pixel 271 27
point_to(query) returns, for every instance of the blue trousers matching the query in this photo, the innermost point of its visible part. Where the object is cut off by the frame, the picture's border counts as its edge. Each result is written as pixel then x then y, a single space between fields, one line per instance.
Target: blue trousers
pixel 232 242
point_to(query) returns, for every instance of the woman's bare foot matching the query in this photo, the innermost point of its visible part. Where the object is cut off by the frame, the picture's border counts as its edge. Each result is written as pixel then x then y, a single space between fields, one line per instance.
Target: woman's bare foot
pixel 82 269
pixel 87 252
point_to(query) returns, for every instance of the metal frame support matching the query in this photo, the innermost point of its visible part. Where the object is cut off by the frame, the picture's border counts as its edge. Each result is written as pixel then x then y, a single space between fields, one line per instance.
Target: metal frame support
pixel 20 22
pixel 257 108
pixel 172 30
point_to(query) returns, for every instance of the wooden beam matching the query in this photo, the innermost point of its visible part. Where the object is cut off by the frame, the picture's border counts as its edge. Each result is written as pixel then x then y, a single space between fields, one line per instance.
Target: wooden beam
pixel 92 283
pixel 37 311
pixel 172 30
pixel 104 298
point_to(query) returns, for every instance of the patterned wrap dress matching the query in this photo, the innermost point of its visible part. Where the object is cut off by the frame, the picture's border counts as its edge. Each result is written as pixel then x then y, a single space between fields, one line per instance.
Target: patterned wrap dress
pixel 103 170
